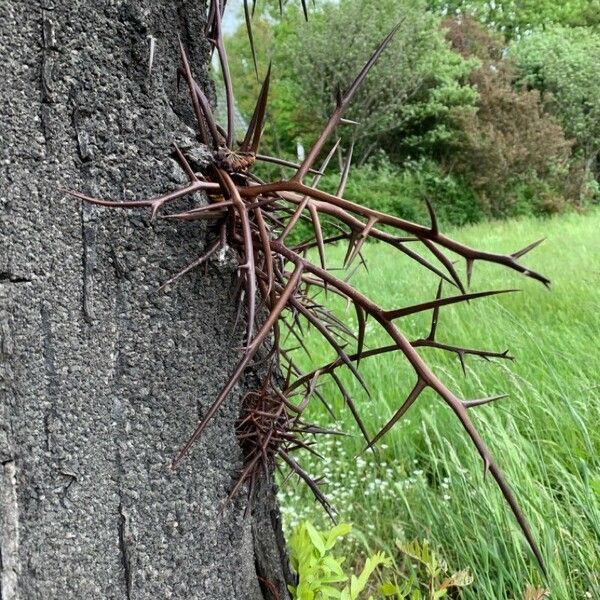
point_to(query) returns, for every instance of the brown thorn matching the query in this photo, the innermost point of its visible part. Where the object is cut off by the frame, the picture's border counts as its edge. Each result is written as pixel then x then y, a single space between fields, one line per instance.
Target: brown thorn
pixel 527 249
pixel 482 401
pixel 314 488
pixel 304 9
pixel 209 117
pixel 345 172
pixel 436 313
pixel 211 211
pixel 185 165
pixel 196 105
pixel 201 260
pixel 154 204
pixel 250 36
pixel 360 240
pixel 325 163
pixel 434 222
pixel 284 163
pixel 316 223
pixel 446 262
pixel 470 262
pixel 362 322
pixel 226 76
pixel 409 310
pixel 253 134
pixel 414 394
pixel 248 266
pixel 485 354
pixel 353 410
pixel 342 104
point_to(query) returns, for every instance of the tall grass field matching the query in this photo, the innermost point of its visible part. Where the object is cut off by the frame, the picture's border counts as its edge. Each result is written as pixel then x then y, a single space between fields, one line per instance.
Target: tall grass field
pixel 425 481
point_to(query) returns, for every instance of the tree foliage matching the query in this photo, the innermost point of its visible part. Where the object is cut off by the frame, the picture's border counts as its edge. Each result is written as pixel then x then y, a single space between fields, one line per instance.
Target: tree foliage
pixel 508 139
pixel 515 17
pixel 563 64
pixel 410 91
pixel 447 108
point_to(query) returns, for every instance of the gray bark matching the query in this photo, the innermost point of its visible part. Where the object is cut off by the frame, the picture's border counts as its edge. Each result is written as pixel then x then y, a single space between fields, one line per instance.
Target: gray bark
pixel 102 378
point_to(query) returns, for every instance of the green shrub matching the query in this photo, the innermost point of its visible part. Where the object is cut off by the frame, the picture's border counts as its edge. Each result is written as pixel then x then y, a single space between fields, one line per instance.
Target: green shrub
pixel 514 18
pixel 431 579
pixel 563 65
pixel 404 102
pixel 320 573
pixel 507 147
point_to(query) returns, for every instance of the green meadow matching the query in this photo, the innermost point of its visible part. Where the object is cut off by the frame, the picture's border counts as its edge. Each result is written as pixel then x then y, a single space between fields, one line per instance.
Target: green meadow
pixel 425 481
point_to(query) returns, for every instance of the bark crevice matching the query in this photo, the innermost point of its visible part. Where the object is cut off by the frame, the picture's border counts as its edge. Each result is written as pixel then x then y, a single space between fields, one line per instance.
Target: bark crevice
pixel 125 550
pixel 270 553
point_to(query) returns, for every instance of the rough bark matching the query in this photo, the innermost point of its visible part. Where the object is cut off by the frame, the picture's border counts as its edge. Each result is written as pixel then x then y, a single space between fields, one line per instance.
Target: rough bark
pixel 102 377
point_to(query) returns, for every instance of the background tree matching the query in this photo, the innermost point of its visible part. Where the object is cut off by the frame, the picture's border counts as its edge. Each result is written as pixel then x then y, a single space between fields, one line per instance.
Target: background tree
pixel 409 90
pixel 440 116
pixel 514 18
pixel 506 142
pixel 102 378
pixel 563 64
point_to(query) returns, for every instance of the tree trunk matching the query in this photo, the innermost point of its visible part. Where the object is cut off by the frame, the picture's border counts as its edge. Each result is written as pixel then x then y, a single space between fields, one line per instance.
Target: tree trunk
pixel 102 377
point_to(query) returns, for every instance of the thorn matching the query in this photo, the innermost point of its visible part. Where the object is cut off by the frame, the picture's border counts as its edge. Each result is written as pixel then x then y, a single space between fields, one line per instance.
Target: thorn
pixel 527 249
pixel 250 36
pixel 461 358
pixel 434 223
pixel 446 262
pixel 482 401
pixel 416 308
pixel 304 10
pixel 338 96
pixel 436 312
pixel 152 41
pixel 195 102
pixel 253 134
pixel 414 394
pixel 470 262
pixel 345 172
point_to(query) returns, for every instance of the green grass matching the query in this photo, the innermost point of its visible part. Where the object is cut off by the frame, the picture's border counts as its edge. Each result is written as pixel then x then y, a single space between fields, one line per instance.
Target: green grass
pixel 426 480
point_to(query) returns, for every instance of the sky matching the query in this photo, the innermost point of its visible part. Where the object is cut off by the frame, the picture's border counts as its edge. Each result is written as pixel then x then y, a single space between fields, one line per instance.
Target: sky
pixel 231 18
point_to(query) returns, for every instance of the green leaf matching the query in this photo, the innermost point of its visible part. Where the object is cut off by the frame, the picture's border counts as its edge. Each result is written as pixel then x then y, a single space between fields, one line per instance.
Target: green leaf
pixel 338 531
pixel 327 591
pixel 388 589
pixel 315 538
pixel 412 549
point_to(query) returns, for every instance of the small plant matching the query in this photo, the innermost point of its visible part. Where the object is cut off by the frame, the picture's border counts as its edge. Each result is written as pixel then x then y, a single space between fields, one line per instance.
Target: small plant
pixel 320 573
pixel 435 579
pixel 279 283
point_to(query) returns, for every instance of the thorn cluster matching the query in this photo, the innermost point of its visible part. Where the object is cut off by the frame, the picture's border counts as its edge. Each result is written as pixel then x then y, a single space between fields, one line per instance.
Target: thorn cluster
pixel 271 427
pixel 277 279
